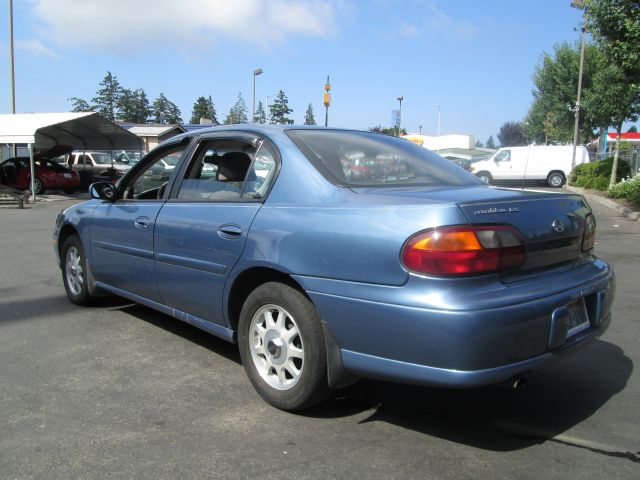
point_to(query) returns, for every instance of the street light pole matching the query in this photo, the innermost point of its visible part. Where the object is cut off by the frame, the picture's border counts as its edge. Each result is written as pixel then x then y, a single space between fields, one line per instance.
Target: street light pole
pixel 256 72
pixel 579 4
pixel 327 101
pixel 420 127
pixel 438 107
pixel 13 75
pixel 399 122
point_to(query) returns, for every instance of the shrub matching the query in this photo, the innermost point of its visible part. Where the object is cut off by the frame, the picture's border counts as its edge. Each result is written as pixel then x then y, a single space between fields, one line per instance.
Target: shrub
pixel 597 175
pixel 629 189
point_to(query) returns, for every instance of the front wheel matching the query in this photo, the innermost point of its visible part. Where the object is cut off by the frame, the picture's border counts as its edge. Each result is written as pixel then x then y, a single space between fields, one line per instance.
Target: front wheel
pixel 38 186
pixel 282 347
pixel 555 179
pixel 485 177
pixel 74 272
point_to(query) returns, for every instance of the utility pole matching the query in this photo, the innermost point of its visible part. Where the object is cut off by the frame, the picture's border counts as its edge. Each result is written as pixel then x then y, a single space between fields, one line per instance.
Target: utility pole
pixel 399 121
pixel 327 101
pixel 13 75
pixel 579 4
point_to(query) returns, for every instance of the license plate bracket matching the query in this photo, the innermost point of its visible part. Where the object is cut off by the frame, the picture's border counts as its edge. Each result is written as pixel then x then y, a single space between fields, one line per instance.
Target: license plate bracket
pixel 578 318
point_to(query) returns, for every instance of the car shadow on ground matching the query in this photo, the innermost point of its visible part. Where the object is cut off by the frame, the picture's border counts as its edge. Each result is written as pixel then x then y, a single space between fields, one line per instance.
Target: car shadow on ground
pixel 497 418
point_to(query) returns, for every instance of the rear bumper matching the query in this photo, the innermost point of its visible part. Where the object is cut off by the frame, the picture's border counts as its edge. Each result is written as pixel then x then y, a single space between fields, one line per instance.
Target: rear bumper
pixel 454 348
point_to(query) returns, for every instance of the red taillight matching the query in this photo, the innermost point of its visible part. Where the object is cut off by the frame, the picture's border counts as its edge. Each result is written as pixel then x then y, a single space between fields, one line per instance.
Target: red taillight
pixel 464 250
pixel 589 235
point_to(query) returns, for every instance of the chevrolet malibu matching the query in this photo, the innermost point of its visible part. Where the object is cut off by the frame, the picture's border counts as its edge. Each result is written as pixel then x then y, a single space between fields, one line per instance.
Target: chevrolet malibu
pixel 332 255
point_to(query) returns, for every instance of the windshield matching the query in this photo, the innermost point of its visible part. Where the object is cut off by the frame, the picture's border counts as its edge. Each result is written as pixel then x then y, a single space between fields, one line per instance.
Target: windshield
pixel 360 159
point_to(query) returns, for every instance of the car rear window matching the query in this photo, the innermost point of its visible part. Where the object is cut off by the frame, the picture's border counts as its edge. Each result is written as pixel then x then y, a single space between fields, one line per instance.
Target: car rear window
pixel 361 159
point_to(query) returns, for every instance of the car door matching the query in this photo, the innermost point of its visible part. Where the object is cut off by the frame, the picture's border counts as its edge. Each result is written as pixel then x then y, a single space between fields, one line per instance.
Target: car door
pixel 122 230
pixel 202 229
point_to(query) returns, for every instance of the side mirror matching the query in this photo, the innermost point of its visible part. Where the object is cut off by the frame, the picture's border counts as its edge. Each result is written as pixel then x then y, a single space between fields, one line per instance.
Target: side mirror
pixel 103 191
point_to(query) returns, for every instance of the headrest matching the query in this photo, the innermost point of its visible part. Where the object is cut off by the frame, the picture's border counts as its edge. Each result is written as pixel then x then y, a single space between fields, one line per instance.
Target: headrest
pixel 234 166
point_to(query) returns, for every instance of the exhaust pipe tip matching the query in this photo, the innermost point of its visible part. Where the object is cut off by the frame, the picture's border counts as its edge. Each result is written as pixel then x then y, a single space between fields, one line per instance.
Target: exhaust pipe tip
pixel 518 383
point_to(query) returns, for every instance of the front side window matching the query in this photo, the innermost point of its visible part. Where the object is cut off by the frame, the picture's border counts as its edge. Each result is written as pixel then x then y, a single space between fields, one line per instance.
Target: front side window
pixel 360 159
pixel 150 182
pixel 503 156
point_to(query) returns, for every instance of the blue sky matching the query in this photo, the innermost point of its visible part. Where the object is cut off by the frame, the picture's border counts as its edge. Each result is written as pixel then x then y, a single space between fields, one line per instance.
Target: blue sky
pixel 473 58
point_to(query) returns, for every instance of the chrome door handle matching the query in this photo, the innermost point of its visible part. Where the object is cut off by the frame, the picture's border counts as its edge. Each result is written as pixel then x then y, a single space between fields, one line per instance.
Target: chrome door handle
pixel 230 231
pixel 142 223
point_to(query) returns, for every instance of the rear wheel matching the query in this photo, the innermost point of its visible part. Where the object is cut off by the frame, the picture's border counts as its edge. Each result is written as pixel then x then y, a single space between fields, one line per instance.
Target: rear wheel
pixel 485 177
pixel 282 347
pixel 74 272
pixel 555 179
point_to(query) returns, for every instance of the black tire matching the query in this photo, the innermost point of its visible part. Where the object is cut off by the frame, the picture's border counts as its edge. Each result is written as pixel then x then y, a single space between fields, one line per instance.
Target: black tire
pixel 485 177
pixel 38 186
pixel 556 179
pixel 74 272
pixel 294 338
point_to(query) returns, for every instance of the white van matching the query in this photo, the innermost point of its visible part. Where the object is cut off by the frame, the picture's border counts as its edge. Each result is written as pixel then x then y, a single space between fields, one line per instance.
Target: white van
pixel 551 164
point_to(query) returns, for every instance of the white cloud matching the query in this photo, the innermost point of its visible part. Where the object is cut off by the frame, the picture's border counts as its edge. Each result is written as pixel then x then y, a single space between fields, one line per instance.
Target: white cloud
pixel 140 25
pixel 34 45
pixel 408 30
pixel 444 24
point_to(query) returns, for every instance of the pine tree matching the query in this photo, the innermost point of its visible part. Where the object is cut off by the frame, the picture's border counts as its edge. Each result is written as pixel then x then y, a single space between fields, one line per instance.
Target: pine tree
pixel 204 108
pixel 261 116
pixel 106 101
pixel 309 119
pixel 79 105
pixel 164 111
pixel 133 106
pixel 279 110
pixel 491 142
pixel 237 113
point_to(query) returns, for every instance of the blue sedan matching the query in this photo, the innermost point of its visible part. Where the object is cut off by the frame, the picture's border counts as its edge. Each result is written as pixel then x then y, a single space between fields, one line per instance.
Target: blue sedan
pixel 332 255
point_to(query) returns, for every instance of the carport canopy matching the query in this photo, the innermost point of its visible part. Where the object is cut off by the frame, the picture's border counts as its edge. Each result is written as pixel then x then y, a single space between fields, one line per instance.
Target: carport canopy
pixel 82 131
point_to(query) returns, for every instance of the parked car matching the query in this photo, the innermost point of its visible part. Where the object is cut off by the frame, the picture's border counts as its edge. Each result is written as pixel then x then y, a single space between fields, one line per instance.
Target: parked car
pixel 49 175
pixel 413 270
pixel 97 166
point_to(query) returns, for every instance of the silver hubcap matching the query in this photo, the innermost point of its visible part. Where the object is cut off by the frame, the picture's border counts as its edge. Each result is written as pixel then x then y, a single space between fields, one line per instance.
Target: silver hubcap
pixel 37 185
pixel 276 347
pixel 73 270
pixel 556 180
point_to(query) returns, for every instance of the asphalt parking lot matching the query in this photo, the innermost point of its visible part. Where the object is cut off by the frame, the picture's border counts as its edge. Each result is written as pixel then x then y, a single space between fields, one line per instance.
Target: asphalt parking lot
pixel 121 391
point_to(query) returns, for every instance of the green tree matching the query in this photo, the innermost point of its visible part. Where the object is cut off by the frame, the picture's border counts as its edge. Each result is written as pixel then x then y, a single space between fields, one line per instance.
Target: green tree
pixel 615 24
pixel 261 116
pixel 79 105
pixel 204 108
pixel 133 106
pixel 633 129
pixel 107 97
pixel 237 113
pixel 550 117
pixel 165 111
pixel 279 110
pixel 618 101
pixel 309 119
pixel 511 135
pixel 491 142
pixel 479 144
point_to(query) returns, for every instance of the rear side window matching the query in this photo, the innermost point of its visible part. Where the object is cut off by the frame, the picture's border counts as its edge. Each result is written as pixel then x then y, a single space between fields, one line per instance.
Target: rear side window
pixel 229 170
pixel 360 159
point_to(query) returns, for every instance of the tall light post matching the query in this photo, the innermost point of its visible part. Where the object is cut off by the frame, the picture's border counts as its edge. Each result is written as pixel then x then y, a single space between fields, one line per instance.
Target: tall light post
pixel 439 112
pixel 399 122
pixel 256 72
pixel 579 4
pixel 420 127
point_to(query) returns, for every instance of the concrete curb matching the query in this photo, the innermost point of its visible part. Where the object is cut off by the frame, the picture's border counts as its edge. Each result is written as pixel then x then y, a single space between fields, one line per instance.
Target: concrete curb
pixel 607 202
